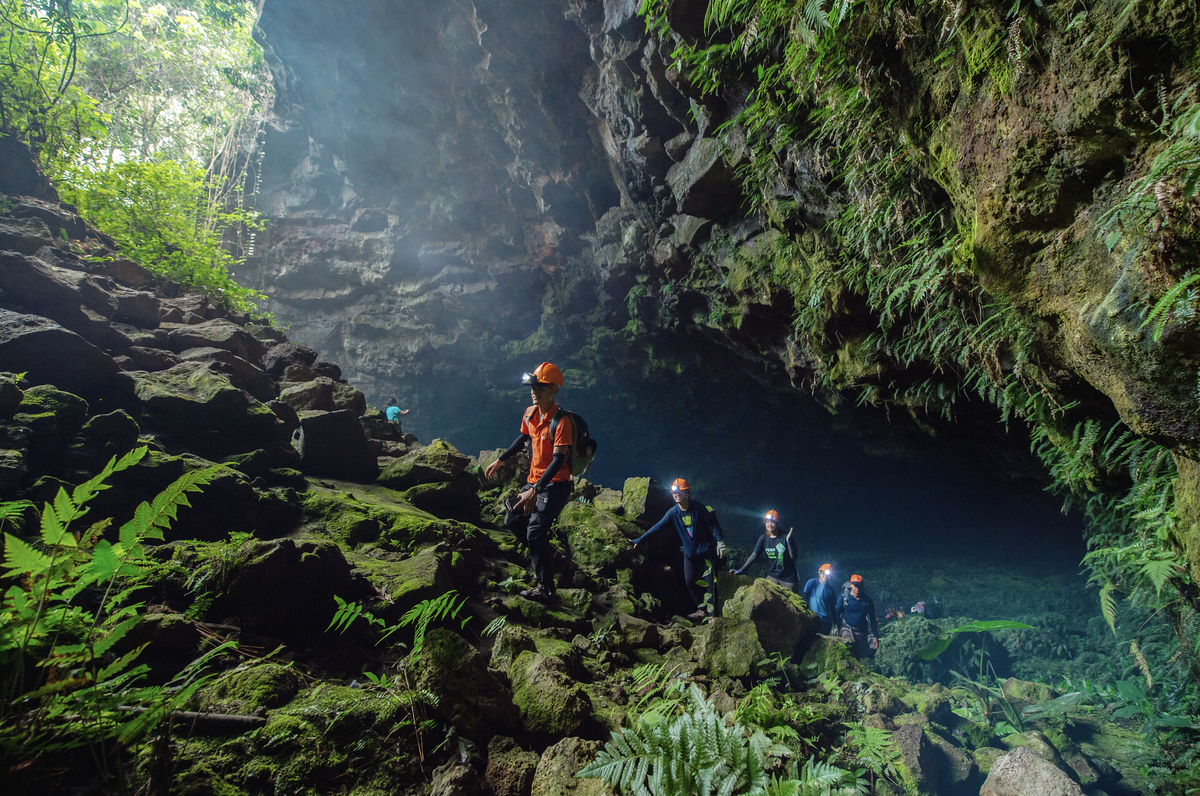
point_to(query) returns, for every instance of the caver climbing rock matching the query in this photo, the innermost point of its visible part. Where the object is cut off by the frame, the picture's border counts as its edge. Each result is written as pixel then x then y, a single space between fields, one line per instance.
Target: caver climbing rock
pixel 702 543
pixel 779 551
pixel 548 487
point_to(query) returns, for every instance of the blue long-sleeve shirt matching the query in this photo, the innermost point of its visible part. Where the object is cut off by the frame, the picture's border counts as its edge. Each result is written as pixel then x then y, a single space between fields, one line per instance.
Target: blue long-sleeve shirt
pixel 857 612
pixel 822 598
pixel 697 528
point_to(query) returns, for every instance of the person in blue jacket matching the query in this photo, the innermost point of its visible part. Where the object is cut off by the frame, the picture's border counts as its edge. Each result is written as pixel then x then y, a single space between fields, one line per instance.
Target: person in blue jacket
pixel 779 552
pixel 822 597
pixel 856 617
pixel 703 545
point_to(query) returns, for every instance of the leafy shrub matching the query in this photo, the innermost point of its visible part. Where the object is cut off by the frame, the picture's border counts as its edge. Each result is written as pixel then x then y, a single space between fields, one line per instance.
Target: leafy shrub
pixel 160 215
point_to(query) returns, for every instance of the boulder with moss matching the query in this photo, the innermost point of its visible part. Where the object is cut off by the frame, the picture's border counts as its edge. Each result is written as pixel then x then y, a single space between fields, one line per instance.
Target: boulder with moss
pixel 645 501
pixel 555 775
pixel 781 617
pixel 437 462
pixel 250 690
pixel 285 587
pixel 599 541
pixel 470 697
pixel 457 499
pixel 728 647
pixel 551 703
pixel 510 768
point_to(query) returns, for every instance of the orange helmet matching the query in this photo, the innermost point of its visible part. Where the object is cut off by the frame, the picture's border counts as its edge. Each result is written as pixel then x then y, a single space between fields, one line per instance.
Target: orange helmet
pixel 545 373
pixel 856 578
pixel 772 515
pixel 678 485
pixel 826 568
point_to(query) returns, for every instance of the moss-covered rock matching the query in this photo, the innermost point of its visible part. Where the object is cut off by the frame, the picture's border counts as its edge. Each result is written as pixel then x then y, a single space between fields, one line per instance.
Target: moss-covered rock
pixel 727 647
pixel 457 499
pixel 355 515
pixel 645 501
pixel 781 617
pixel 510 643
pixel 831 657
pixel 10 395
pixel 957 771
pixel 599 541
pixel 550 702
pixel 916 768
pixel 437 462
pixel 246 691
pixel 470 697
pixel 510 768
pixel 555 775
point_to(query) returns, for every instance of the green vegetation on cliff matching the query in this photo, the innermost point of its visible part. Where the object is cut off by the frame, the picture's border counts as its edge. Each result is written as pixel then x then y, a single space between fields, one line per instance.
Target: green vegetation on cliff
pixel 929 235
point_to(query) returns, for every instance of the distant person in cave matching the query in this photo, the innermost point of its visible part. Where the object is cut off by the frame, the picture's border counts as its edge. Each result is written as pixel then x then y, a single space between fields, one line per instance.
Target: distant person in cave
pixel 548 486
pixel 856 618
pixel 822 597
pixel 779 552
pixel 393 414
pixel 703 546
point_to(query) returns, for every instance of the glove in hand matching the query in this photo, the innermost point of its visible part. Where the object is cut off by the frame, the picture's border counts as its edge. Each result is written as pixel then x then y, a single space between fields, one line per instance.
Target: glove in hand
pixel 720 549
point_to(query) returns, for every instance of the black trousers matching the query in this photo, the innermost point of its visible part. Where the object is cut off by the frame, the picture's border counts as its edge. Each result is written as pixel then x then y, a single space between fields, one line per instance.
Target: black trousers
pixel 695 570
pixel 534 530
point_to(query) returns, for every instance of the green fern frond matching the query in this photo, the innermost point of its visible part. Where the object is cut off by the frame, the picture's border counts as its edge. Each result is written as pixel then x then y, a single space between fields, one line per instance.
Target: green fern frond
pixel 1108 606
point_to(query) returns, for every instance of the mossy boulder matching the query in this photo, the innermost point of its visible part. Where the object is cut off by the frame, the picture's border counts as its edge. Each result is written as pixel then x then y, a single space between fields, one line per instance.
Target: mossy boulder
pixel 555 775
pixel 728 647
pixel 10 395
pixel 247 691
pixel 323 394
pixel 470 697
pixel 437 462
pixel 424 576
pixel 645 501
pixel 510 768
pixel 334 445
pixel 1023 692
pixel 610 500
pixel 599 541
pixel 957 771
pixel 510 643
pixel 194 399
pixel 285 587
pixel 358 515
pixel 551 703
pixel 918 773
pixel 53 418
pixel 933 701
pixel 829 656
pixel 12 470
pixel 457 499
pixel 781 617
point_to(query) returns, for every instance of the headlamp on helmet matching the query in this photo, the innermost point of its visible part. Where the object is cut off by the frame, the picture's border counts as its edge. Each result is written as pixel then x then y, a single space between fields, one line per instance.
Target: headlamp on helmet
pixel 679 485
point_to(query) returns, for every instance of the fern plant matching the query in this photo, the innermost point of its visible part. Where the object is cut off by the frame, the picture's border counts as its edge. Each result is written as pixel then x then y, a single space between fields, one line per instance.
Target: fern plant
pixel 68 607
pixel 697 753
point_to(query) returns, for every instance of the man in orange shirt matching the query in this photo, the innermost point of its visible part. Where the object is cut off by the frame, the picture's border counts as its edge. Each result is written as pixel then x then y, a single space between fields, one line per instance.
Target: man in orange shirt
pixel 549 432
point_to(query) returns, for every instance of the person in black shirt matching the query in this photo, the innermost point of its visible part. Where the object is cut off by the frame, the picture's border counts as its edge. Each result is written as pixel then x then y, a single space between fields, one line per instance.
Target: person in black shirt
pixel 856 616
pixel 779 551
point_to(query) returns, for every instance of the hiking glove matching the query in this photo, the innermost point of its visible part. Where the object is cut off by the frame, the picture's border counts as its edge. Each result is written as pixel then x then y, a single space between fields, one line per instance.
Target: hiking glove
pixel 736 571
pixel 720 549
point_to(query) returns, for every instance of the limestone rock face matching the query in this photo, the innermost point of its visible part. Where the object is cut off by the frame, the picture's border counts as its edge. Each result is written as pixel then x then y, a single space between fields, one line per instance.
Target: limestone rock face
pixel 1022 772
pixel 510 768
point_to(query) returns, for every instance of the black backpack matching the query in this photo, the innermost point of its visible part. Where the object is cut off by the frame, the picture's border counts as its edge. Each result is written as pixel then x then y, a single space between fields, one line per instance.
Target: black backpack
pixel 581 454
pixel 584 450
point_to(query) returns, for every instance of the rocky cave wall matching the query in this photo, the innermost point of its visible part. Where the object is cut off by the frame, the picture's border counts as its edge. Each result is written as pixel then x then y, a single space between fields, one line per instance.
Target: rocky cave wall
pixel 457 188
